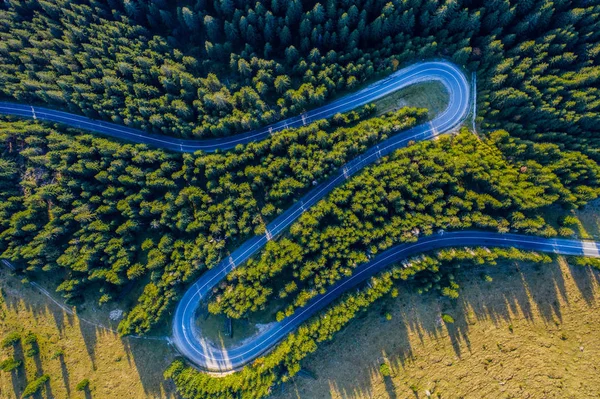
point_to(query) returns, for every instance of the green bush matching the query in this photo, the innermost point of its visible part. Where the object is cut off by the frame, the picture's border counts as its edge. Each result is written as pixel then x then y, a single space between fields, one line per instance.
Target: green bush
pixel 565 232
pixel 568 220
pixel 384 369
pixel 35 386
pixel 58 353
pixel 83 385
pixel 31 344
pixel 10 364
pixel 447 318
pixel 11 339
pixel 583 261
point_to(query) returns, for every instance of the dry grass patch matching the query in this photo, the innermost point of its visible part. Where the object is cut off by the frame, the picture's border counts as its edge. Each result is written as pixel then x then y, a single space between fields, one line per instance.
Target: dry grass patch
pixel 71 351
pixel 530 333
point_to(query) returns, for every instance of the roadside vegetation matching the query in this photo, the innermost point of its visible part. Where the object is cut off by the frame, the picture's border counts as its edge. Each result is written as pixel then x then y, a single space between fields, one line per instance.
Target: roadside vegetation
pixel 207 69
pixel 475 182
pixel 103 214
pixel 530 331
pixel 283 362
pixel 432 96
pixel 196 70
pixel 109 219
pixel 456 182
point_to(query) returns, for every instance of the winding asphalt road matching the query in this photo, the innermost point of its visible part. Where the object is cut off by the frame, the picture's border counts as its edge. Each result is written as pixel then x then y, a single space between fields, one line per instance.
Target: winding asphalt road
pixel 186 336
pixel 205 354
pixel 436 70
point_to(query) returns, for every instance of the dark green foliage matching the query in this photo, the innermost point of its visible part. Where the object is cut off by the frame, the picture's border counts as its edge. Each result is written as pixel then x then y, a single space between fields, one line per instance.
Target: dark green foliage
pixel 11 339
pixel 583 261
pixel 59 353
pixel 384 369
pixel 457 182
pixel 104 213
pixel 83 385
pixel 10 364
pixel 436 272
pixel 116 65
pixel 255 381
pixel 213 68
pixel 31 344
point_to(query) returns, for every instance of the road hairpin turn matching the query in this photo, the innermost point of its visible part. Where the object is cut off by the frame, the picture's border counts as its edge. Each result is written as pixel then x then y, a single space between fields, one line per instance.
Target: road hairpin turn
pixel 186 335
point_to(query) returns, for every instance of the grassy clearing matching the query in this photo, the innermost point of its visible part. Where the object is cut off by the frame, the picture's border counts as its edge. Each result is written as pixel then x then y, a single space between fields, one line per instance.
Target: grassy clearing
pixel 71 351
pixel 531 332
pixel 431 95
pixel 213 326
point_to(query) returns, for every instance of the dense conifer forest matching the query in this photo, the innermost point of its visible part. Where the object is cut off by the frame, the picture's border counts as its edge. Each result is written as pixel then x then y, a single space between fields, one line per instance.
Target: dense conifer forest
pixel 202 68
pixel 458 182
pixel 109 217
pixel 107 214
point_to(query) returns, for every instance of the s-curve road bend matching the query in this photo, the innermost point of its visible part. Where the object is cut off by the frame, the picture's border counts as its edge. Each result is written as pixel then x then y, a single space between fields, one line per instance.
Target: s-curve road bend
pixel 208 356
pixel 186 337
pixel 447 73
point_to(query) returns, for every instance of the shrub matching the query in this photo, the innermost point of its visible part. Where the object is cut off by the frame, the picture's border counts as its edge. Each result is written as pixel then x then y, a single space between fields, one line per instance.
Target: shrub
pixel 568 220
pixel 32 344
pixel 384 369
pixel 11 339
pixel 447 318
pixel 565 232
pixel 58 354
pixel 35 386
pixel 83 385
pixel 10 364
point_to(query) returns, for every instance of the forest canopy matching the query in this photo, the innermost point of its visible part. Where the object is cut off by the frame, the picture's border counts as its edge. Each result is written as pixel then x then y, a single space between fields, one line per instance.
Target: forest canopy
pixel 202 68
pixel 459 182
pixel 106 216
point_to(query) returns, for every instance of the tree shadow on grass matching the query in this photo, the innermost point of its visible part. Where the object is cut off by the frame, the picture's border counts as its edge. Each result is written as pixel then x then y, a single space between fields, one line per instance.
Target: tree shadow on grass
pixel 142 354
pixel 65 374
pixel 89 333
pixel 39 369
pixel 19 375
pixel 87 392
pixel 25 297
pixel 390 388
pixel 29 298
pixel 532 290
pixel 150 359
pixel 48 390
pixel 526 291
pixel 585 278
